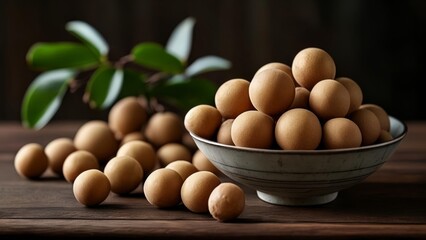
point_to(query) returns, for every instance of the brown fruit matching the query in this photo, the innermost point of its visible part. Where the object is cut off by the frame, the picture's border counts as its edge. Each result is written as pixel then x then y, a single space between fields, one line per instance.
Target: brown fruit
pixel 355 92
pixel 96 137
pixel 124 173
pixel 31 161
pixel 232 98
pixel 380 113
pixel 172 152
pixel 224 133
pixel 226 202
pixel 162 188
pixel 341 133
pixel 163 128
pixel 57 151
pixel 368 124
pixel 142 151
pixel 271 91
pixel 253 129
pixel 203 120
pixel 298 129
pixel 78 162
pixel 312 65
pixel 126 116
pixel 196 190
pixel 329 99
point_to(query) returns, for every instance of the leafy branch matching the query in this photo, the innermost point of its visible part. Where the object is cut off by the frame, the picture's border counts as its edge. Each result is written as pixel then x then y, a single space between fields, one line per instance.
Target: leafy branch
pixel 63 64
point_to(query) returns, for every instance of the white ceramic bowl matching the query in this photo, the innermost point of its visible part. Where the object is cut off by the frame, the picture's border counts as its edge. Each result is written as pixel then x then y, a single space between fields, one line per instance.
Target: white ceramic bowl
pixel 300 177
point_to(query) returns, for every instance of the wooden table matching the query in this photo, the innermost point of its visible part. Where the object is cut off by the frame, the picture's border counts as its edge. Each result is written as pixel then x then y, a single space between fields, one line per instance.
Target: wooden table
pixel 391 203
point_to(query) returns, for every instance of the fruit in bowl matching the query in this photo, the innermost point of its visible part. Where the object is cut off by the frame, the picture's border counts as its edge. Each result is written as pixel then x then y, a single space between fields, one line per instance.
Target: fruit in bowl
pixel 295 137
pixel 300 177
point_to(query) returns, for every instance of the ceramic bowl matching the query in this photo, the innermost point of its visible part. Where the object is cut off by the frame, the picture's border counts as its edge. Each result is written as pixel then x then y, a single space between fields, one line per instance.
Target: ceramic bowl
pixel 300 177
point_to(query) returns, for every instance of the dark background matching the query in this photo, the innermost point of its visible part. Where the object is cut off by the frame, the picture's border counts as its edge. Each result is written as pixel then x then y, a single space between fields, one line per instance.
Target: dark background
pixel 379 44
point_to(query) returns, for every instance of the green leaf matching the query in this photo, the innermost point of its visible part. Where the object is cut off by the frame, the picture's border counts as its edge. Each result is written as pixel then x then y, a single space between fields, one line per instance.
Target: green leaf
pixel 180 41
pixel 44 96
pixel 207 64
pixel 89 36
pixel 152 55
pixel 47 56
pixel 186 94
pixel 133 84
pixel 104 87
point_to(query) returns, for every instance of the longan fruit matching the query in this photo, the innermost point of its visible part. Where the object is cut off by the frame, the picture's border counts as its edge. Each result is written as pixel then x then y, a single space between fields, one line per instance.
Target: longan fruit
pixel 202 163
pixel 368 124
pixel 196 190
pixel 341 133
pixel 183 167
pixel 380 113
pixel 78 162
pixel 57 151
pixel 172 152
pixel 142 151
pixel 91 187
pixel 301 98
pixel 271 91
pixel 232 98
pixel 312 65
pixel 31 161
pixel 226 202
pixel 126 116
pixel 203 120
pixel 124 173
pixel 355 92
pixel 162 188
pixel 298 129
pixel 224 133
pixel 96 137
pixel 163 128
pixel 253 129
pixel 329 99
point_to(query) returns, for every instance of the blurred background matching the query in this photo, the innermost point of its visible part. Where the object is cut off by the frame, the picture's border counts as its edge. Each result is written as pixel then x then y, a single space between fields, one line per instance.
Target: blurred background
pixel 378 43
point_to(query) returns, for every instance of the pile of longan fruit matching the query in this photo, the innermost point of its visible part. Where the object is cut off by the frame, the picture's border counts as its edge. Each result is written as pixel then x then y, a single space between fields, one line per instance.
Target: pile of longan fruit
pixel 302 107
pixel 133 148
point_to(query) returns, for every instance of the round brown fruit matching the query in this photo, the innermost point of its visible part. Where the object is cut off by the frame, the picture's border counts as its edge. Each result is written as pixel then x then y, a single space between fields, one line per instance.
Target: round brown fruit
pixel 232 98
pixel 96 137
pixel 226 202
pixel 91 187
pixel 380 113
pixel 196 190
pixel 329 99
pixel 355 92
pixel 162 188
pixel 203 120
pixel 163 128
pixel 253 129
pixel 124 173
pixel 57 151
pixel 142 151
pixel 184 168
pixel 31 161
pixel 368 124
pixel 271 91
pixel 298 129
pixel 202 163
pixel 172 152
pixel 78 162
pixel 126 116
pixel 341 133
pixel 312 65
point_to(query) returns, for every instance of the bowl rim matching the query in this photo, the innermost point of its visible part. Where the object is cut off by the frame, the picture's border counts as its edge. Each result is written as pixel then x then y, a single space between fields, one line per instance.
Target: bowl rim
pixel 396 139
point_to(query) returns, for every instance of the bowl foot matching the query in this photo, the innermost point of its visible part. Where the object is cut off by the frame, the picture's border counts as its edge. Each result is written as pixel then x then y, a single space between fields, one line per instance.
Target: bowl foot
pixel 292 201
